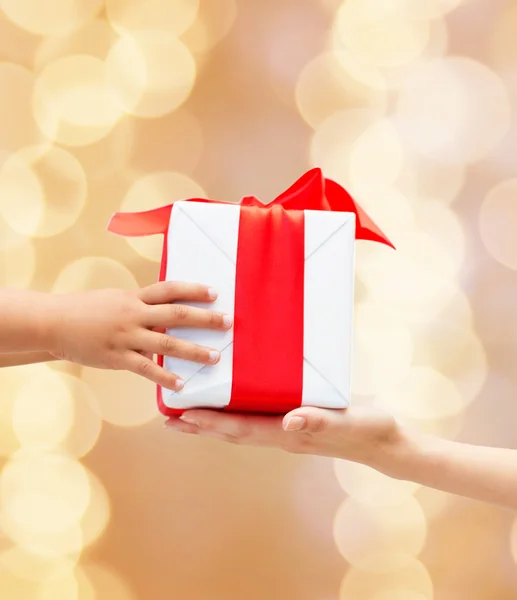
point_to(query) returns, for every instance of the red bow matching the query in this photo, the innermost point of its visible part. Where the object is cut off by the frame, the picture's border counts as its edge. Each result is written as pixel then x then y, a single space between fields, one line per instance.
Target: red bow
pixel 311 192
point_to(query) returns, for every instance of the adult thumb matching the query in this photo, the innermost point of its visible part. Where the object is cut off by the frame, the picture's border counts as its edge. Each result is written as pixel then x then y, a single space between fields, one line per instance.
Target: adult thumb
pixel 309 419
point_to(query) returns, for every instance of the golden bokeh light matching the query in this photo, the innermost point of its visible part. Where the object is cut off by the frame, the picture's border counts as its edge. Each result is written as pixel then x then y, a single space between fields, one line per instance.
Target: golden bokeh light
pixel 94 39
pixel 86 426
pixel 97 515
pixel 35 567
pixel 382 35
pixel 430 9
pixel 73 101
pixel 94 272
pixel 325 86
pixel 151 73
pixel 400 594
pixel 334 145
pixel 103 583
pixel 10 381
pixel 53 17
pixel 18 260
pixel 380 538
pixel 16 133
pixel 43 410
pixel 423 178
pixel 424 394
pixel 42 191
pixel 497 223
pixel 453 110
pixel 129 16
pixel 213 22
pixel 418 282
pixel 152 191
pixel 125 399
pixel 364 584
pixel 369 487
pixel 43 492
pixel 376 367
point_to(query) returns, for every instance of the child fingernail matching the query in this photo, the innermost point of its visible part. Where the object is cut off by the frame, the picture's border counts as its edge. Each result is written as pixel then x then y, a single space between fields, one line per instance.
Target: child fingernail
pixel 213 356
pixel 294 424
pixel 179 384
pixel 212 294
pixel 227 321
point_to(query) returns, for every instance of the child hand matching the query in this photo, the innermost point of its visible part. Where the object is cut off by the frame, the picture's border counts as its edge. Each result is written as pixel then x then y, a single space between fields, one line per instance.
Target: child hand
pixel 121 330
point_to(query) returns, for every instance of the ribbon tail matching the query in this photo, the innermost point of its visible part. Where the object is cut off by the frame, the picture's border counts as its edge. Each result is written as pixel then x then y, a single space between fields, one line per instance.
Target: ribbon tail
pixel 137 224
pixel 340 199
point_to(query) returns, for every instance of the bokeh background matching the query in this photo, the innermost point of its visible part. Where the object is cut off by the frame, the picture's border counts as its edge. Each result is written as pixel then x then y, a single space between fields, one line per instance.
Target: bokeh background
pixel 131 104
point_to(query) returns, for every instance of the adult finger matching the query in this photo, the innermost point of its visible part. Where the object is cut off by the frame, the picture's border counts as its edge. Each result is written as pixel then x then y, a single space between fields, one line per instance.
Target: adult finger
pixel 240 426
pixel 140 365
pixel 312 420
pixel 166 292
pixel 167 345
pixel 179 315
pixel 175 424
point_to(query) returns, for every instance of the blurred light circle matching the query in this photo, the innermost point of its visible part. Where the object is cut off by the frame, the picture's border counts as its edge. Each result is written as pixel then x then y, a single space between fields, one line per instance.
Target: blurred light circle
pixel 125 399
pixel 393 211
pixel 380 538
pixel 423 394
pixel 334 140
pixel 97 515
pixel 18 260
pixel 73 102
pixel 63 588
pixel 94 39
pixel 364 584
pixel 86 424
pixel 34 567
pixel 498 222
pixel 11 380
pixel 453 110
pixel 103 583
pixel 433 502
pixel 437 219
pixel 174 16
pixel 55 544
pixel 430 9
pixel 52 17
pixel 376 366
pixel 154 190
pixel 212 24
pixel 14 587
pixel 370 487
pixel 424 178
pixel 400 594
pixel 151 73
pixel 43 492
pixel 503 40
pixel 93 272
pixel 16 45
pixel 381 34
pixel 376 155
pixel 419 275
pixel 325 86
pixel 21 195
pixel 17 125
pixel 43 191
pixel 43 410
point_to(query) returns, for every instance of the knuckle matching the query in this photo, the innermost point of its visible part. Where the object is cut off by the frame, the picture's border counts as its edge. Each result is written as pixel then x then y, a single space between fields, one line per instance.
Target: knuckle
pixel 199 354
pixel 181 312
pixel 144 368
pixel 316 423
pixel 167 344
pixel 215 319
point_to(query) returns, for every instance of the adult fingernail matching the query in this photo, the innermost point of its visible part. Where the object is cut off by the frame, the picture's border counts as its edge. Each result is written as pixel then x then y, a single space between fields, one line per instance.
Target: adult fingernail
pixel 212 294
pixel 213 356
pixel 227 321
pixel 294 424
pixel 188 419
pixel 179 384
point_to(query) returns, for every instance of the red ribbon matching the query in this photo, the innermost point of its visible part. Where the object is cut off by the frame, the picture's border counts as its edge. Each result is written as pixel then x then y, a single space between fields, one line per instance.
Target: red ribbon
pixel 269 287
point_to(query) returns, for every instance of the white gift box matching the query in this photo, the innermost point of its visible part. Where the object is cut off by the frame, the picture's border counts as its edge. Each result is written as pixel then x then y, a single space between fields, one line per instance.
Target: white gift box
pixel 202 247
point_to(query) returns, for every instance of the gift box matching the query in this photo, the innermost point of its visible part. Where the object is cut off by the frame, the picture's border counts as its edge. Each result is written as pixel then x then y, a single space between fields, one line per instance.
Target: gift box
pixel 285 271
